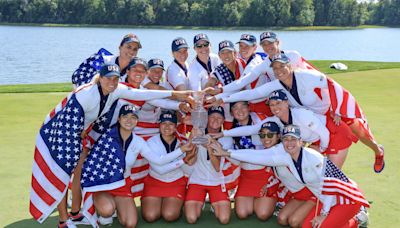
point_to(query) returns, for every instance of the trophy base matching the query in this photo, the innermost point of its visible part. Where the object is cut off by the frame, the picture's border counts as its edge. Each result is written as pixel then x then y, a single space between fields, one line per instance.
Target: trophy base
pixel 198 140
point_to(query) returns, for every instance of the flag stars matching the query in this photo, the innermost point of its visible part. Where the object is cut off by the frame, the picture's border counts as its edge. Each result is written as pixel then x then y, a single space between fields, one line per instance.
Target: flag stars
pixel 59 156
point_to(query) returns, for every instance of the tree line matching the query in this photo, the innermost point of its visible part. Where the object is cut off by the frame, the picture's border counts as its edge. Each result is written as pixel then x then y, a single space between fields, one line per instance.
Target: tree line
pixel 203 12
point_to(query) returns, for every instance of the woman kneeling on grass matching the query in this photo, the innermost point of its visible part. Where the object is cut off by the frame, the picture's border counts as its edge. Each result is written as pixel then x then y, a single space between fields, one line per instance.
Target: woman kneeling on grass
pixel 316 183
pixel 164 194
pixel 107 169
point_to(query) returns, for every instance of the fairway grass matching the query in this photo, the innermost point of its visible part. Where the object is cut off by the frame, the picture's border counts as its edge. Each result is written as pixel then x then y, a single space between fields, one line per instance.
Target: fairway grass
pixel 21 115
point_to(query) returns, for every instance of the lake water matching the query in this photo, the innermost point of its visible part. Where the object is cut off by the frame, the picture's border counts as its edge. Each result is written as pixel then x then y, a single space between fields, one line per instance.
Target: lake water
pixel 51 54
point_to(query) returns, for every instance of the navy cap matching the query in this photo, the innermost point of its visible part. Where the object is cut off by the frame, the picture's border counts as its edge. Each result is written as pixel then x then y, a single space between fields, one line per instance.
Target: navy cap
pixel 271 126
pixel 110 70
pixel 269 36
pixel 179 43
pixel 291 130
pixel 126 109
pixel 129 38
pixel 137 61
pixel 200 37
pixel 278 95
pixel 226 45
pixel 248 39
pixel 232 104
pixel 218 109
pixel 168 116
pixel 282 58
pixel 156 63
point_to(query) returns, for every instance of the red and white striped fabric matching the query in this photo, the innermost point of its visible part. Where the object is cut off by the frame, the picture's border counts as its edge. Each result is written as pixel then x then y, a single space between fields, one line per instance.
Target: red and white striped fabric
pixel 49 180
pixel 231 174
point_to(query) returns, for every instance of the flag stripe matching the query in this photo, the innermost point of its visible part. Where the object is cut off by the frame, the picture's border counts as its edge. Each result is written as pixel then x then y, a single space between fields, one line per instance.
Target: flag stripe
pixel 34 211
pixel 47 171
pixel 47 198
pixel 44 182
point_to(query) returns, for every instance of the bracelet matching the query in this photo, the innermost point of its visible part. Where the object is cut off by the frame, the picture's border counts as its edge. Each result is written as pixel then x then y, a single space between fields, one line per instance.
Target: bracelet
pixel 324 213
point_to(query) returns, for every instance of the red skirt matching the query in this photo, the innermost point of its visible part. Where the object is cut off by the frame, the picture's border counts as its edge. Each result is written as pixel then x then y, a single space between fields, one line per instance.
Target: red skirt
pixel 341 137
pixel 260 107
pixel 304 194
pixel 157 188
pixel 251 183
pixel 124 191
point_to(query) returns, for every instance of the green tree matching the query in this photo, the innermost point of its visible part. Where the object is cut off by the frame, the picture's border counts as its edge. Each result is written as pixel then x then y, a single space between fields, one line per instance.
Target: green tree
pixel 302 12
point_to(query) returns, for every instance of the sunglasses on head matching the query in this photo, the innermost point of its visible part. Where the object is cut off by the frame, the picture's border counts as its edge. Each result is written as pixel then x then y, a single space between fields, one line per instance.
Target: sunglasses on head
pixel 269 135
pixel 202 45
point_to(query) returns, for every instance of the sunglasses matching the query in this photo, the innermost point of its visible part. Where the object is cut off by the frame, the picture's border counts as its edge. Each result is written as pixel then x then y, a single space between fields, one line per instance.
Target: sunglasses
pixel 202 45
pixel 269 135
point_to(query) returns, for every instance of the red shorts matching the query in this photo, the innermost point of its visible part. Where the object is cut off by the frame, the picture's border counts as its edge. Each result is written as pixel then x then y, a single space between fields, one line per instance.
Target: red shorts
pixel 124 191
pixel 157 188
pixel 198 192
pixel 304 194
pixel 341 137
pixel 260 107
pixel 251 182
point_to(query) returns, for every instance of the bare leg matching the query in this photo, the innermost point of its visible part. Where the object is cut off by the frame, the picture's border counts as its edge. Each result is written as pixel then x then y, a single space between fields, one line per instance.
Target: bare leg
pixel 339 158
pixel 62 209
pixel 264 207
pixel 151 208
pixel 76 184
pixel 193 211
pixel 222 211
pixel 127 213
pixel 244 206
pixel 297 218
pixel 104 203
pixel 171 208
pixel 365 136
pixel 288 210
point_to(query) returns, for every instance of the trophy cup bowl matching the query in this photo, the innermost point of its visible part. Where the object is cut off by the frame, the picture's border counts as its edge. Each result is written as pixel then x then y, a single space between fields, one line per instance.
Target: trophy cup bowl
pixel 199 119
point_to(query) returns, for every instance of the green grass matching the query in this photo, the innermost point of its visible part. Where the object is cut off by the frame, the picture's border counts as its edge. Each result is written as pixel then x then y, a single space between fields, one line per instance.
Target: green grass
pixel 21 115
pixel 176 27
pixel 322 65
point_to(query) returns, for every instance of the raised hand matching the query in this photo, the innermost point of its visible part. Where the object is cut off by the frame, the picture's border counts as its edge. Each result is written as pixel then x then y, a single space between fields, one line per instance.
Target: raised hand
pixel 212 90
pixel 216 135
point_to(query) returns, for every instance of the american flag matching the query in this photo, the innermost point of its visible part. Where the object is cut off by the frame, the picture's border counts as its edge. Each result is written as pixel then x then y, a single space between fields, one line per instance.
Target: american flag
pixel 57 151
pixel 102 170
pixel 336 183
pixel 89 68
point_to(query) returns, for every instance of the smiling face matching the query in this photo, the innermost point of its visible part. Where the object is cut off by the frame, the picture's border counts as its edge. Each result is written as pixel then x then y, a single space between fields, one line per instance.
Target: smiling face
pixel 202 49
pixel 155 74
pixel 280 109
pixel 108 84
pixel 292 145
pixel 181 55
pixel 241 112
pixel 282 71
pixel 270 48
pixel 128 122
pixel 167 128
pixel 136 73
pixel 227 56
pixel 266 139
pixel 246 51
pixel 129 50
pixel 215 121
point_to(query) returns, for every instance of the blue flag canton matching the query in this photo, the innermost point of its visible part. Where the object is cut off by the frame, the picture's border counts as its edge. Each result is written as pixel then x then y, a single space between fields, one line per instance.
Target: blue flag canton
pixel 104 121
pixel 106 162
pixel 225 73
pixel 331 171
pixel 245 143
pixel 89 68
pixel 62 135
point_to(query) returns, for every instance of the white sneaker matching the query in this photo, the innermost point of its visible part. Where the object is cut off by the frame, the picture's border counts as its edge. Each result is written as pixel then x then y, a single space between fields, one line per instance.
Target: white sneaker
pixel 106 221
pixel 362 218
pixel 68 224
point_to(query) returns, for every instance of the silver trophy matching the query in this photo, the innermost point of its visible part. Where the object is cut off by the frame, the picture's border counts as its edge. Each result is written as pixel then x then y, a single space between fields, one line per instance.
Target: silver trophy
pixel 199 118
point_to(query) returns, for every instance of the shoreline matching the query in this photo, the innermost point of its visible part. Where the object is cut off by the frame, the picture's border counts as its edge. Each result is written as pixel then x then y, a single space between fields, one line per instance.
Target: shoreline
pixel 238 28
